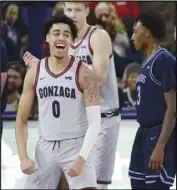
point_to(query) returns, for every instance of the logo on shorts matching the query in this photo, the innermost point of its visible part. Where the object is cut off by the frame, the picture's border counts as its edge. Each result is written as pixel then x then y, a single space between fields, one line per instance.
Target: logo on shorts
pixel 152 138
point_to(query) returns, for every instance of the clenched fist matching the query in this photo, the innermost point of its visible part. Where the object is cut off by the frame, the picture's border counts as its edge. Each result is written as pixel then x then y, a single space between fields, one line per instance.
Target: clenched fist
pixel 27 166
pixel 76 167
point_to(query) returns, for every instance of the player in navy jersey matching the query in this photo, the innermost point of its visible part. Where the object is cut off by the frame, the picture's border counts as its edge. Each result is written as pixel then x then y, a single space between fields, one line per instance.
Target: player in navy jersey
pixel 153 157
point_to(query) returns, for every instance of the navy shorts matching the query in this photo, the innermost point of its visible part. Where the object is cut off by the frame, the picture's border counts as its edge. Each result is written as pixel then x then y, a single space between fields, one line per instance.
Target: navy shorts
pixel 144 144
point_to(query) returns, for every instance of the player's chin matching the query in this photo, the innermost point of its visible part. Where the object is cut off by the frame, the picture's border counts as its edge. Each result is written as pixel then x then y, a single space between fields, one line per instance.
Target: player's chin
pixel 136 46
pixel 60 52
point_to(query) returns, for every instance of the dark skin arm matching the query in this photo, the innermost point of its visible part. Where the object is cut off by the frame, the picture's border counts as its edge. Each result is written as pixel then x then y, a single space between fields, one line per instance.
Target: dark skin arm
pixel 167 128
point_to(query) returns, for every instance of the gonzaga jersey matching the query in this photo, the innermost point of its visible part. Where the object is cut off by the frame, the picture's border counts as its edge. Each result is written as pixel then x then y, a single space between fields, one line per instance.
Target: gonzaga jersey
pixel 108 91
pixel 62 112
pixel 157 76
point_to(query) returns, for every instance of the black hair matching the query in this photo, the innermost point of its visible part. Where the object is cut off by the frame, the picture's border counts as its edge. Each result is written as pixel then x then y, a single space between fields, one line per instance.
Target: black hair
pixel 133 68
pixel 153 21
pixel 18 67
pixel 60 19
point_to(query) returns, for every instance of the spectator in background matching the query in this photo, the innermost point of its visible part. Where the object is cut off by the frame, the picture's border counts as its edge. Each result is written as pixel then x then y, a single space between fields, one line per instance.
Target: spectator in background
pixel 12 28
pixel 129 91
pixel 16 73
pixel 23 40
pixel 115 28
pixel 123 8
pixel 126 8
pixel 175 33
pixel 4 58
pixel 58 8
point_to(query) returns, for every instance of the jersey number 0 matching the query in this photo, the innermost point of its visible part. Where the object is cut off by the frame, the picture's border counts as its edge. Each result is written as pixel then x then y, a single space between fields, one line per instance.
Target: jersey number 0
pixel 56 109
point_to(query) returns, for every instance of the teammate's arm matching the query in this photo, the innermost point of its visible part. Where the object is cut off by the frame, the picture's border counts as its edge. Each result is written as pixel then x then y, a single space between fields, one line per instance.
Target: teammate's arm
pixel 102 49
pixel 92 102
pixel 24 108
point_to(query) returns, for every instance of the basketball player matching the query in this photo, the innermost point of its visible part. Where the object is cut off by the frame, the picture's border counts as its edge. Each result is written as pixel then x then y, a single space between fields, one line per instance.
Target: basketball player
pixel 93 46
pixel 153 157
pixel 67 96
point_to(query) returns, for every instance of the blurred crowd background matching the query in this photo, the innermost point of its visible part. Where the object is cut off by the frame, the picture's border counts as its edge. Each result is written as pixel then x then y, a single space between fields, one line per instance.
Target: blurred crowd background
pixel 21 30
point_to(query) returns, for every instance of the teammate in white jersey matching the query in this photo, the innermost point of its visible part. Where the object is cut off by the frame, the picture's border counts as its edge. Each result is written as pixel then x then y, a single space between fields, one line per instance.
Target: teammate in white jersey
pixel 94 47
pixel 69 114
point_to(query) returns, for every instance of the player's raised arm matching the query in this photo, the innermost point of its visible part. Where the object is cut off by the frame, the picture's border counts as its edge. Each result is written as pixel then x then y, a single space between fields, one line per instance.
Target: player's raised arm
pixel 102 50
pixel 92 102
pixel 24 108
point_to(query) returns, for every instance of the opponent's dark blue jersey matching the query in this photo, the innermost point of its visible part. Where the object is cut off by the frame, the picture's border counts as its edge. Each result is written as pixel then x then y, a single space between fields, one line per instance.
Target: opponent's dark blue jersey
pixel 156 77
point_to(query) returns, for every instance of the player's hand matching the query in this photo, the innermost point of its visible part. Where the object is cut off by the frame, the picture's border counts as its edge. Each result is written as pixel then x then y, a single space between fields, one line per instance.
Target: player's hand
pixel 27 166
pixel 29 59
pixel 156 159
pixel 76 167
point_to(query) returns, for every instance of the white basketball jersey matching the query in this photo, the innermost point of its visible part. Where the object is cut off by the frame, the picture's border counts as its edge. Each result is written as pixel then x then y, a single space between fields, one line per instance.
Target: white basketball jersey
pixel 109 90
pixel 62 112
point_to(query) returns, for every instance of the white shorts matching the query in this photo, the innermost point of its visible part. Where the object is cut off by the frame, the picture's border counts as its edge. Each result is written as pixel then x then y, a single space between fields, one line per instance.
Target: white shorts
pixel 52 160
pixel 106 147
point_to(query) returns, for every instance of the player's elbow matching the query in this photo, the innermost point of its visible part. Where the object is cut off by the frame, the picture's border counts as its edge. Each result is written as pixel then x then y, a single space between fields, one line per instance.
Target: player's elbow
pixel 21 120
pixel 101 79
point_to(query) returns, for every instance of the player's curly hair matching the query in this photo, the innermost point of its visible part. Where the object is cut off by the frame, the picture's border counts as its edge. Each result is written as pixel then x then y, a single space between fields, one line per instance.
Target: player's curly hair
pixel 153 21
pixel 60 19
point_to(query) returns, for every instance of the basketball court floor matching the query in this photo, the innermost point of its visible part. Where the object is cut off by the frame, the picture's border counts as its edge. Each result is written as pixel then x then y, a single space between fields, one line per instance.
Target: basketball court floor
pixel 13 178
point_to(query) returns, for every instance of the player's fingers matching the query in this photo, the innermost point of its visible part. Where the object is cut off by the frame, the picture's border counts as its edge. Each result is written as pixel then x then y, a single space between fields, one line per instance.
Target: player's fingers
pixel 31 170
pixel 154 165
pixel 159 166
pixel 28 61
pixel 26 55
pixel 26 171
pixel 71 173
pixel 150 164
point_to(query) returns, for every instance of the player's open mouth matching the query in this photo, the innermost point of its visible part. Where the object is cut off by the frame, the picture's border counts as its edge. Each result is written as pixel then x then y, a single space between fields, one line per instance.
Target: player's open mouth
pixel 60 46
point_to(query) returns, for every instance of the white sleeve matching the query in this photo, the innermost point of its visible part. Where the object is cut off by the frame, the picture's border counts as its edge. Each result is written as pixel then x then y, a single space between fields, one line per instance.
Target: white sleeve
pixel 94 125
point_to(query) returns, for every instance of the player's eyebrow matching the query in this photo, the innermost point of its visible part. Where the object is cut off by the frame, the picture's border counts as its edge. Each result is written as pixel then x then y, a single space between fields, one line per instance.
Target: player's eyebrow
pixel 65 31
